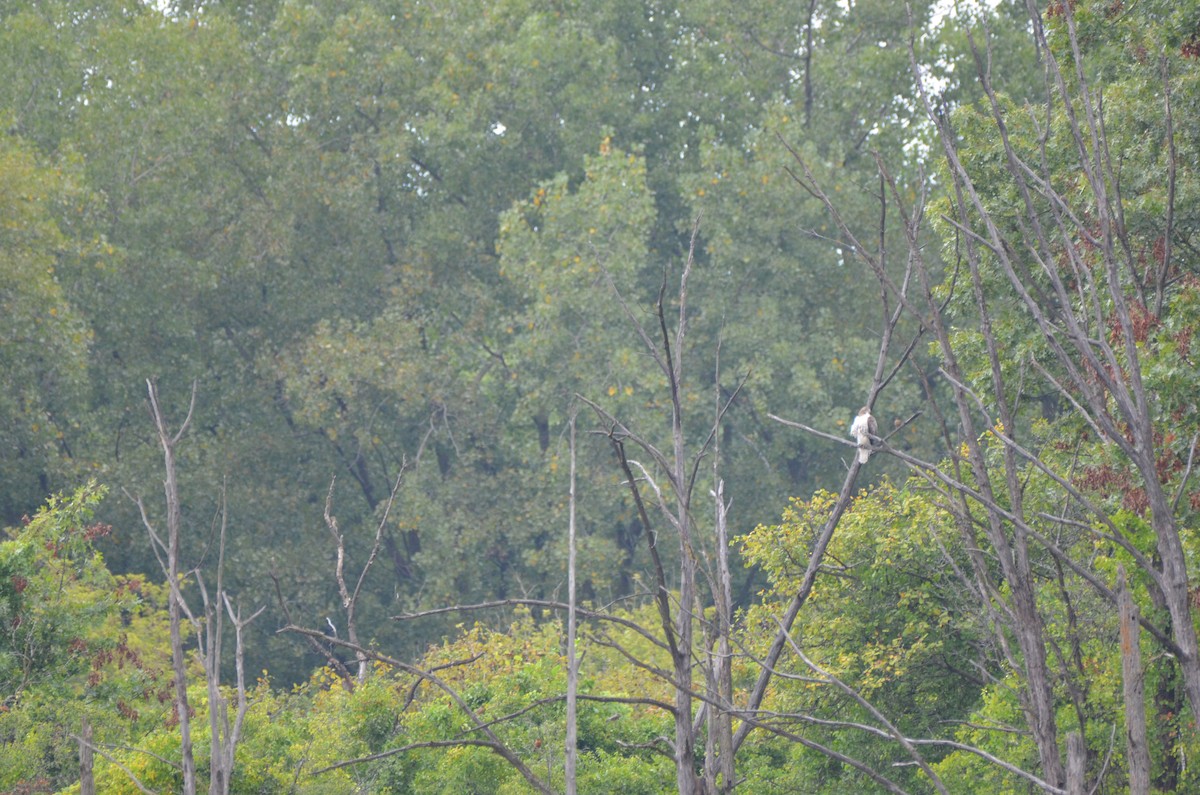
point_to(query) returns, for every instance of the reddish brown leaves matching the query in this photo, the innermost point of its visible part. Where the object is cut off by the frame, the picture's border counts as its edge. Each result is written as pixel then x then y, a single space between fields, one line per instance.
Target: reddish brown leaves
pixel 1142 322
pixel 1058 9
pixel 126 711
pixel 1191 46
pixel 97 530
pixel 1109 479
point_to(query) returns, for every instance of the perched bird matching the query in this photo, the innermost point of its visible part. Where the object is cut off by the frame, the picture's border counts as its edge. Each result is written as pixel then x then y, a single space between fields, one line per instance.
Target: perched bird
pixel 863 429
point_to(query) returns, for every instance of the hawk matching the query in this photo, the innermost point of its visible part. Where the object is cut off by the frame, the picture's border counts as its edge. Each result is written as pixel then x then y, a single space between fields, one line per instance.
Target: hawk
pixel 863 429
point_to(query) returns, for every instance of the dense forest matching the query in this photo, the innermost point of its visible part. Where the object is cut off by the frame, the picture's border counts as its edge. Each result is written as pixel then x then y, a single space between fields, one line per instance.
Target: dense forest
pixel 464 396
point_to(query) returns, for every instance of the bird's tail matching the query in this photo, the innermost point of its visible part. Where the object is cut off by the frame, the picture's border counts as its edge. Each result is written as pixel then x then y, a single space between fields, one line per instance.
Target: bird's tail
pixel 863 455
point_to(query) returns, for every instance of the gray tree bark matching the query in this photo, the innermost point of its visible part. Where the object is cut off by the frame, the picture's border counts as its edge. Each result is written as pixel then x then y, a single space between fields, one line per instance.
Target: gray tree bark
pixel 87 779
pixel 572 752
pixel 1136 743
pixel 176 606
pixel 1076 764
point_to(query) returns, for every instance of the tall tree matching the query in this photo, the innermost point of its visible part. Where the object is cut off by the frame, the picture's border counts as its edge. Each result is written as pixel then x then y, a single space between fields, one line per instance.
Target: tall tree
pixel 1050 336
pixel 45 338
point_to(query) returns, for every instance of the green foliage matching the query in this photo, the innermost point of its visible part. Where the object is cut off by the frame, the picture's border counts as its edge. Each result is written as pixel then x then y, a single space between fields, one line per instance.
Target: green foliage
pixel 386 233
pixel 78 643
pixel 316 210
pixel 54 593
pixel 573 256
pixel 512 680
pixel 44 340
pixel 894 621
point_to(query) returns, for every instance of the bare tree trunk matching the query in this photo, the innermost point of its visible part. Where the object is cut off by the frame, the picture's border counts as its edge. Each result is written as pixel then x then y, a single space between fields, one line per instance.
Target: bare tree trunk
pixel 223 737
pixel 720 758
pixel 685 734
pixel 1174 581
pixel 167 441
pixel 218 708
pixel 348 601
pixel 1138 748
pixel 350 597
pixel 1076 764
pixel 1014 558
pixel 678 631
pixel 719 749
pixel 212 632
pixel 87 779
pixel 572 662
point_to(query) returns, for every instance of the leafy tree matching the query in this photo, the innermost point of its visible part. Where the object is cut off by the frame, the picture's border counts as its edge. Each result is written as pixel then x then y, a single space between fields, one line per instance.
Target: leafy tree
pixel 51 581
pixel 45 338
pixel 390 235
pixel 302 205
pixel 1026 248
pixel 78 644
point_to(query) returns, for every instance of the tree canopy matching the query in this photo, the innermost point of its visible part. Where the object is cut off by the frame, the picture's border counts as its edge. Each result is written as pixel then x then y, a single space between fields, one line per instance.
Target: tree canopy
pixel 386 256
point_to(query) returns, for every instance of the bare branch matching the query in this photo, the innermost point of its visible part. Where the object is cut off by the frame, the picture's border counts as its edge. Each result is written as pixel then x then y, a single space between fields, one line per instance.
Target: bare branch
pixel 176 604
pixel 542 603
pixel 1187 473
pixel 492 741
pixel 460 743
pixel 825 750
pixel 137 782
pixel 344 675
pixel 892 731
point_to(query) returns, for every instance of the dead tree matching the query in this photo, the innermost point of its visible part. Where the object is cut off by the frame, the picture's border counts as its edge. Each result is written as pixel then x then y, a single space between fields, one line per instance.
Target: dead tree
pixel 677 469
pixel 888 364
pixel 208 627
pixel 176 603
pixel 348 596
pixel 1067 262
pixel 572 752
pixel 667 482
pixel 1018 610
